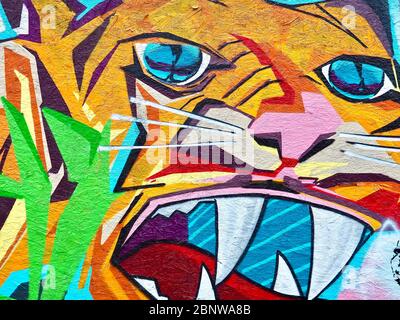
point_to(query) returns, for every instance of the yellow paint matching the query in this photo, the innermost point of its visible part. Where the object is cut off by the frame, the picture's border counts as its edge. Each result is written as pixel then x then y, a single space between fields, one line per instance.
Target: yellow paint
pixel 115 133
pixel 318 169
pixel 12 227
pixel 26 107
pixel 296 43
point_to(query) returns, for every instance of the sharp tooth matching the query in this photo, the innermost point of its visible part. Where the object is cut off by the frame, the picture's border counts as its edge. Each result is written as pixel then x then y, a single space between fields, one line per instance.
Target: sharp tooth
pixel 184 207
pixel 285 282
pixel 336 237
pixel 206 289
pixel 151 287
pixel 237 219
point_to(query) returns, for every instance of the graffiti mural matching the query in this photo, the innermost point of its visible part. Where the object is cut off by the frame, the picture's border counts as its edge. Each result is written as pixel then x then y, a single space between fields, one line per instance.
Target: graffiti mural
pixel 199 149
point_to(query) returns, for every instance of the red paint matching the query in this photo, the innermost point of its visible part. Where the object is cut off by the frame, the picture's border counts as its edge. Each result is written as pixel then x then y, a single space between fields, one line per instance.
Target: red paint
pixel 256 49
pixel 384 202
pixel 289 93
pixel 177 271
pixel 191 168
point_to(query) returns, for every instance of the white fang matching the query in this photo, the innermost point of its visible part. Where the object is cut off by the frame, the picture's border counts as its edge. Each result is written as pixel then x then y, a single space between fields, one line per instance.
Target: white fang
pixel 237 219
pixel 151 288
pixel 184 207
pixel 285 282
pixel 336 237
pixel 206 290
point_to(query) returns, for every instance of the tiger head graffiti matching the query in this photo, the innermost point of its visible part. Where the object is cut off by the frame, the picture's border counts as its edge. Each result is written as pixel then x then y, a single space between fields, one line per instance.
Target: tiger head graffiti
pixel 254 143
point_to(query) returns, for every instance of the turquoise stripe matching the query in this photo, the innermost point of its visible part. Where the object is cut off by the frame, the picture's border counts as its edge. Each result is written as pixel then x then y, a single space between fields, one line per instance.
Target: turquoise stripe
pixel 201 226
pixel 271 202
pixel 273 257
pixel 208 209
pixel 281 213
pixel 8 32
pixel 123 155
pixel 282 232
pixel 207 240
pixel 267 283
pixel 303 268
pixel 90 5
pixel 286 227
pixel 394 12
pixel 197 232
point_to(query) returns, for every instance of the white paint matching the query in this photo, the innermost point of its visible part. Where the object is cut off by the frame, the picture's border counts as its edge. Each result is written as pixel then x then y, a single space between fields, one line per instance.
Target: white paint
pixel 285 282
pixel 206 290
pixel 151 287
pixel 336 237
pixel 237 219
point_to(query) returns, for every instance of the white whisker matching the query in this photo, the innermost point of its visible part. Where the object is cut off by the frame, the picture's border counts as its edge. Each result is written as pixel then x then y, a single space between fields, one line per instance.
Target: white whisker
pixel 187 114
pixel 120 148
pixel 373 147
pixel 119 117
pixel 369 137
pixel 371 159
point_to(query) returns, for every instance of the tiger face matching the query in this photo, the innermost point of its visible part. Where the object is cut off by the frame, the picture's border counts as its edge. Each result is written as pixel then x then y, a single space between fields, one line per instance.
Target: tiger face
pixel 255 143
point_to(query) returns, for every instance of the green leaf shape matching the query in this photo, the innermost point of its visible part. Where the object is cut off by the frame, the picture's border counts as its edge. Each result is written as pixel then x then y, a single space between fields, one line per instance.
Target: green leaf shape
pixel 34 187
pixel 85 210
pixel 77 142
pixel 10 188
pixel 89 203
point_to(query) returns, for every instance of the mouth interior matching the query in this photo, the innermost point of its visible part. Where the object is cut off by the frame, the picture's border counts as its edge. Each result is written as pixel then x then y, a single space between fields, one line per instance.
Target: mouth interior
pixel 176 248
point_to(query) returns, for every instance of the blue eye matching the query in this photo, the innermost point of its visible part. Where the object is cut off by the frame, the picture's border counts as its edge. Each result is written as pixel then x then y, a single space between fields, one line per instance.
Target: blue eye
pixel 357 80
pixel 174 63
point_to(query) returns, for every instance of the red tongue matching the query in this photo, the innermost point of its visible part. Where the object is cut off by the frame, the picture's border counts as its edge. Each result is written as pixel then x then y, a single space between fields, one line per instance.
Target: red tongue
pixel 176 270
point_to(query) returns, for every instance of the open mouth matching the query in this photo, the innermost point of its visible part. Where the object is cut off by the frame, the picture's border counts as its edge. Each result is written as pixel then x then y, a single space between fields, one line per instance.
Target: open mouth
pixel 240 247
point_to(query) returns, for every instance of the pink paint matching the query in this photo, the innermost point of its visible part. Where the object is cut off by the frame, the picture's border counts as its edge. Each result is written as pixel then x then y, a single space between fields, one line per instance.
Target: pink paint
pixel 300 131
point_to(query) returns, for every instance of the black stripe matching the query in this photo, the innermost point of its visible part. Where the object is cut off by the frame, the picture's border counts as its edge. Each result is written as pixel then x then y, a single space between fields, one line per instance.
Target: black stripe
pixel 243 81
pixel 251 95
pixel 331 23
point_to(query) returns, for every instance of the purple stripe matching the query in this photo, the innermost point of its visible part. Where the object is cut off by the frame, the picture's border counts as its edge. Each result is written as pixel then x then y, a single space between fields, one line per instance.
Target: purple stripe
pixel 99 70
pixel 78 8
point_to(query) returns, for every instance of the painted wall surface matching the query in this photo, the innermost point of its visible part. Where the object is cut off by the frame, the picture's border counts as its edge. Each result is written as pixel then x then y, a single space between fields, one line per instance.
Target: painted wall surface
pixel 199 149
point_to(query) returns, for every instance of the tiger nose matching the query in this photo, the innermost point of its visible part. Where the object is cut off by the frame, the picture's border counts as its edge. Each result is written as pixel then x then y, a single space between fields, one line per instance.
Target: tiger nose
pixel 297 133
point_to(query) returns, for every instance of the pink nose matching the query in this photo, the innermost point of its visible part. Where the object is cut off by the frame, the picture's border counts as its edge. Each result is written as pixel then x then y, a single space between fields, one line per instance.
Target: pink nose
pixel 298 132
